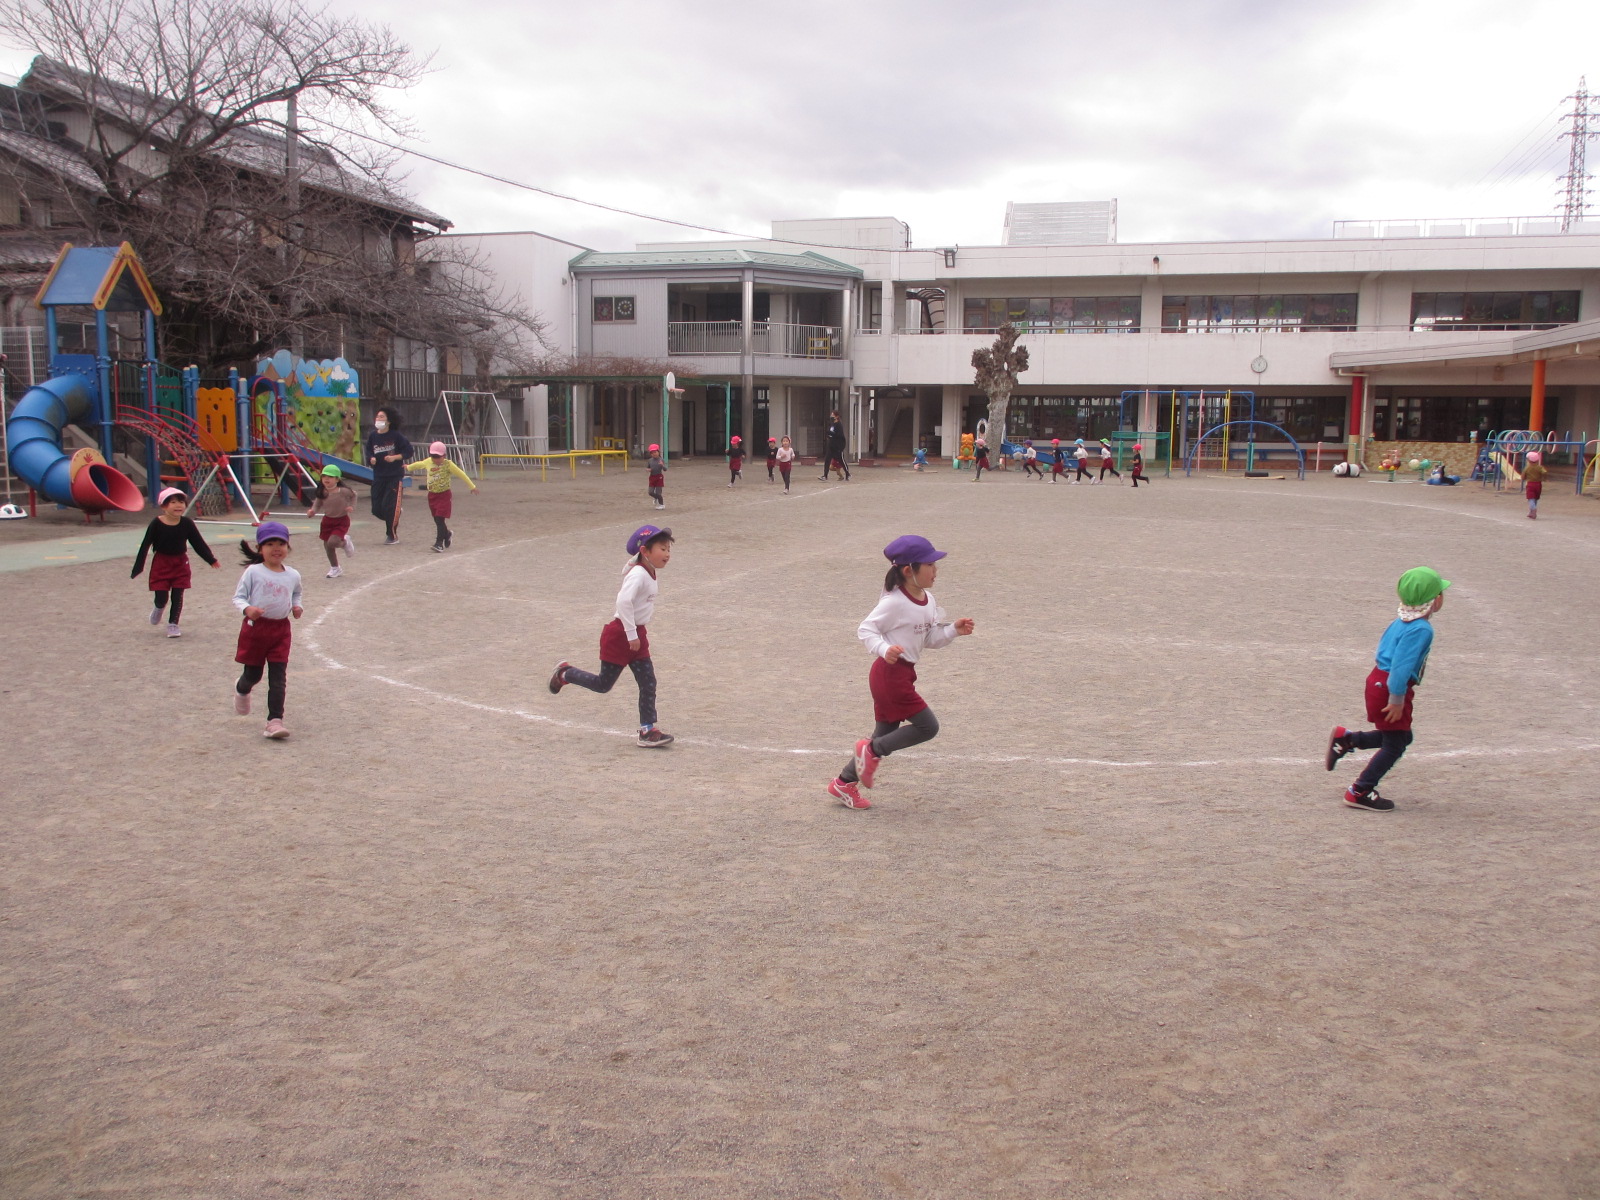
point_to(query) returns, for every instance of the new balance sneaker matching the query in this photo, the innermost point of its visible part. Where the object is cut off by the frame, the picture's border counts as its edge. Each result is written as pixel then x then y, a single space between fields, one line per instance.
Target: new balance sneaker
pixel 1370 801
pixel 391 541
pixel 866 762
pixel 438 547
pixel 349 546
pixel 275 730
pixel 335 572
pixel 1338 745
pixel 241 703
pixel 847 795
pixel 155 615
pixel 654 739
pixel 173 630
pixel 447 541
pixel 558 677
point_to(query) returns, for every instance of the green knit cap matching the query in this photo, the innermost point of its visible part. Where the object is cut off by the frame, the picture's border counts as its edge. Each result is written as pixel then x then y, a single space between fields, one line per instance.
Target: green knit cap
pixel 1420 585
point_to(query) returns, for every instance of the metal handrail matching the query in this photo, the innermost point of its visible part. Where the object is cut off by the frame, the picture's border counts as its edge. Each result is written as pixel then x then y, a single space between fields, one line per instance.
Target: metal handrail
pixel 1258 327
pixel 773 338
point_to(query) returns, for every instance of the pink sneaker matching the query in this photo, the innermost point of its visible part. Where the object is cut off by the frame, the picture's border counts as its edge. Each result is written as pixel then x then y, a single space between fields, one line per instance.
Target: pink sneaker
pixel 275 730
pixel 866 762
pixel 241 703
pixel 846 794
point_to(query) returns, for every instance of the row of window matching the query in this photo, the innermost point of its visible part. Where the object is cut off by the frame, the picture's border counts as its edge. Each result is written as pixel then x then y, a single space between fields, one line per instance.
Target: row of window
pixel 1451 418
pixel 1492 310
pixel 611 309
pixel 1049 313
pixel 1328 312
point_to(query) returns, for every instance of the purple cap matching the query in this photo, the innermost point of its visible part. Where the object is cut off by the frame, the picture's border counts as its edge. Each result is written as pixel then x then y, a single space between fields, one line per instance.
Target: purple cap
pixel 643 534
pixel 910 548
pixel 268 530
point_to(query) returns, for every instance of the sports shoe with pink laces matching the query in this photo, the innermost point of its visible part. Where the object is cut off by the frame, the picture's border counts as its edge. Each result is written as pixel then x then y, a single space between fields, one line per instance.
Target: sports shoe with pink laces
pixel 866 762
pixel 847 795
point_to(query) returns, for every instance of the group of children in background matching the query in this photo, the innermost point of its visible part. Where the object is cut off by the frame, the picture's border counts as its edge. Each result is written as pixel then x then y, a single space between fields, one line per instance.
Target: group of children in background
pixel 1029 457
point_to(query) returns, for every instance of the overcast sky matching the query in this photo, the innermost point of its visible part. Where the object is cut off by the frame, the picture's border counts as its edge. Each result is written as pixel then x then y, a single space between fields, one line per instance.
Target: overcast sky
pixel 1212 119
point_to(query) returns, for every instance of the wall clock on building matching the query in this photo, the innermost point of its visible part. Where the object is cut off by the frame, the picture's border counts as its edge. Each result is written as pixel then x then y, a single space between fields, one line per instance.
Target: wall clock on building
pixel 1258 365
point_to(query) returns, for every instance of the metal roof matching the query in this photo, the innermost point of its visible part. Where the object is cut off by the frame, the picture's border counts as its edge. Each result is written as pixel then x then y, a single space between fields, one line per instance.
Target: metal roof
pixel 809 262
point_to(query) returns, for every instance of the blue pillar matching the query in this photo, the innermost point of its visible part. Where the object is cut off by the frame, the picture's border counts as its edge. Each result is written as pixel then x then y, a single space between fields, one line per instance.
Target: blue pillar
pixel 107 411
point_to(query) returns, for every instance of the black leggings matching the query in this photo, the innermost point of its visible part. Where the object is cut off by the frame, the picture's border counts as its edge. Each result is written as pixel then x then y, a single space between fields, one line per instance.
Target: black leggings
pixel 1140 477
pixel 177 604
pixel 644 673
pixel 1083 471
pixel 889 736
pixel 277 686
pixel 1031 466
pixel 1104 467
pixel 386 502
pixel 1390 744
pixel 441 531
pixel 978 465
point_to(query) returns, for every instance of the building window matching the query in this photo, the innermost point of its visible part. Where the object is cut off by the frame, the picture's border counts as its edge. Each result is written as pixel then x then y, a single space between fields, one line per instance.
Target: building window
pixel 1325 313
pixel 409 354
pixel 611 310
pixel 1493 310
pixel 1053 314
pixel 1449 418
pixel 1064 417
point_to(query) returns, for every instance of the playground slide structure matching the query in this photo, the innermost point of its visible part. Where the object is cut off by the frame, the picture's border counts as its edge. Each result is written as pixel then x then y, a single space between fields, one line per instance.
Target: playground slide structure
pixel 33 433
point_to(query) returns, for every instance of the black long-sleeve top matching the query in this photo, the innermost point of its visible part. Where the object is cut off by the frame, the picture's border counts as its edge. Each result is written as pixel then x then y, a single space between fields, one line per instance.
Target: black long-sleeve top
pixel 171 539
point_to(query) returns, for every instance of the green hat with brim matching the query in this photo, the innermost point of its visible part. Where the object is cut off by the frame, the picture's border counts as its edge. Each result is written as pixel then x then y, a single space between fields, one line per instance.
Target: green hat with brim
pixel 332 470
pixel 1420 585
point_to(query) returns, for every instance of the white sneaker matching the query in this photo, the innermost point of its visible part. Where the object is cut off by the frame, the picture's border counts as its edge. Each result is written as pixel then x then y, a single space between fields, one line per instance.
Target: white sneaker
pixel 173 630
pixel 335 572
pixel 349 546
pixel 155 615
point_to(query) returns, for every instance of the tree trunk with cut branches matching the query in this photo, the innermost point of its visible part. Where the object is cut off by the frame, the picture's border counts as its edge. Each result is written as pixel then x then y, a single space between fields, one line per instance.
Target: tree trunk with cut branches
pixel 997 369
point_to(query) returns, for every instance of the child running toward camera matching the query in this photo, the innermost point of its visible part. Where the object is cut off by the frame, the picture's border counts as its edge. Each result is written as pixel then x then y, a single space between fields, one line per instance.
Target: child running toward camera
pixel 439 469
pixel 906 622
pixel 335 499
pixel 772 459
pixel 735 460
pixel 786 461
pixel 625 641
pixel 657 478
pixel 980 459
pixel 268 595
pixel 169 536
pixel 1391 684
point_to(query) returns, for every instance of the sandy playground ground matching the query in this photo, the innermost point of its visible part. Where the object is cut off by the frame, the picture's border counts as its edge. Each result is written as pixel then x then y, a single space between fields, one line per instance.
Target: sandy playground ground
pixel 1111 935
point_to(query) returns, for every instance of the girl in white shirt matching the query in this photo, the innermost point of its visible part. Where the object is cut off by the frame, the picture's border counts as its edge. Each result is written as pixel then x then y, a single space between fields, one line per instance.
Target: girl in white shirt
pixel 268 595
pixel 625 642
pixel 786 461
pixel 906 621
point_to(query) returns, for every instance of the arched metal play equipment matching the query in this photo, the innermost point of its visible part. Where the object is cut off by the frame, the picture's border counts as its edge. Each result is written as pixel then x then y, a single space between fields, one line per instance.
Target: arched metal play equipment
pixel 1250 452
pixel 1505 453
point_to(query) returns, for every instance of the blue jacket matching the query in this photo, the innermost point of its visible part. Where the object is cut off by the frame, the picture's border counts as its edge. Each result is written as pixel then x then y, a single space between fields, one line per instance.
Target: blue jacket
pixel 1403 653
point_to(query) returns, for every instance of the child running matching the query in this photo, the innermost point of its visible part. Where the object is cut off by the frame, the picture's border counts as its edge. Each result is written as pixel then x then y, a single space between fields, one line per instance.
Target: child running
pixel 268 595
pixel 906 621
pixel 772 459
pixel 625 642
pixel 657 481
pixel 1082 457
pixel 1107 462
pixel 1533 477
pixel 1030 460
pixel 980 461
pixel 1136 470
pixel 785 461
pixel 440 469
pixel 169 535
pixel 735 460
pixel 335 499
pixel 1058 462
pixel 1391 684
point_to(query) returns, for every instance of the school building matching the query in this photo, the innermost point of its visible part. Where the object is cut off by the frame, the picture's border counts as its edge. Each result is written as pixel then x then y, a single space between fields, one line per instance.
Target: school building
pixel 1416 334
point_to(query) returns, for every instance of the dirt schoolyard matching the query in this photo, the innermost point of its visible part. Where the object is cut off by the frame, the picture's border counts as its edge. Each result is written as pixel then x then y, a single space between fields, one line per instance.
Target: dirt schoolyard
pixel 1112 934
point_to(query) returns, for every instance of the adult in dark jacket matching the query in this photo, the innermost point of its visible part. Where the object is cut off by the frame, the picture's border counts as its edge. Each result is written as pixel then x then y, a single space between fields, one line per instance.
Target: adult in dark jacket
pixel 387 455
pixel 835 447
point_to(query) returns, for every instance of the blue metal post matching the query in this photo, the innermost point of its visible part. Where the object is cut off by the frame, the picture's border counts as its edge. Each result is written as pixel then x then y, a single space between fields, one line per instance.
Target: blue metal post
pixel 243 425
pixel 102 340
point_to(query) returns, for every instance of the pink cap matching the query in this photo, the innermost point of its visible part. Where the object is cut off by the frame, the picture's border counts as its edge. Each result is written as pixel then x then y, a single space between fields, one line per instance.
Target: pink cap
pixel 168 493
pixel 735 438
pixel 1137 446
pixel 437 448
pixel 1533 456
pixel 654 449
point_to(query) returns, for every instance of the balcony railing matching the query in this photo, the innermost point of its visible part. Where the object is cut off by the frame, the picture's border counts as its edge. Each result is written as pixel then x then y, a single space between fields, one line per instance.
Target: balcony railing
pixel 771 338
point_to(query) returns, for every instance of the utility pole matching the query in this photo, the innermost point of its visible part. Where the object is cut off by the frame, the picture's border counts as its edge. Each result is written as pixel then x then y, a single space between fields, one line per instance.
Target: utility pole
pixel 1574 198
pixel 292 228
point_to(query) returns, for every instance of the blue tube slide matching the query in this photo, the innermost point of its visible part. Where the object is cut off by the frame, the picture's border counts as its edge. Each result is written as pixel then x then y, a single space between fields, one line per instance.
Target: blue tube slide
pixel 33 434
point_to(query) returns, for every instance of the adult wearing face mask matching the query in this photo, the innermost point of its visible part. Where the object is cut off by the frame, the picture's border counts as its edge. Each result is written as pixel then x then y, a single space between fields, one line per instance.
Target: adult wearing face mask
pixel 387 455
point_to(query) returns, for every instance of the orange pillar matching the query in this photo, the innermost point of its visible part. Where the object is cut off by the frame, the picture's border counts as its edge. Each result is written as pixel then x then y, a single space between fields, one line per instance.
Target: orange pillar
pixel 1536 399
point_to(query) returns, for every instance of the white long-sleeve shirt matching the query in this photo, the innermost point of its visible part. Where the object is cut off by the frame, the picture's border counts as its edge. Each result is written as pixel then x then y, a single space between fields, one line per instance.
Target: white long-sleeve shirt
pixel 275 593
pixel 898 620
pixel 636 598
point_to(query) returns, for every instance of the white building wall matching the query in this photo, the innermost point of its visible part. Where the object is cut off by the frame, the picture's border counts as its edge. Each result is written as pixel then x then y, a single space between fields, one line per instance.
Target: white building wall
pixel 530 268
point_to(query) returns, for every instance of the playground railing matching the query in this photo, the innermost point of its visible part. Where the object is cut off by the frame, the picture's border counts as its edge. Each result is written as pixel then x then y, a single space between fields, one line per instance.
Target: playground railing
pixel 545 457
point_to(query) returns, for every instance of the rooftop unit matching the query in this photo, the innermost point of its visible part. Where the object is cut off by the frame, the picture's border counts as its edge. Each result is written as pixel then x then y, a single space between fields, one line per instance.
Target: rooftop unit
pixel 1065 223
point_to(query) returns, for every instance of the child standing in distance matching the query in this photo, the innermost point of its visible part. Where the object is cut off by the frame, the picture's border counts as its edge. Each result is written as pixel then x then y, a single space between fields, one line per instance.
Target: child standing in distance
pixel 772 459
pixel 1107 462
pixel 1082 457
pixel 906 622
pixel 657 468
pixel 1533 477
pixel 735 460
pixel 1058 461
pixel 625 642
pixel 1401 660
pixel 1030 460
pixel 169 535
pixel 980 461
pixel 1136 471
pixel 268 595
pixel 786 461
pixel 439 469
pixel 335 499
